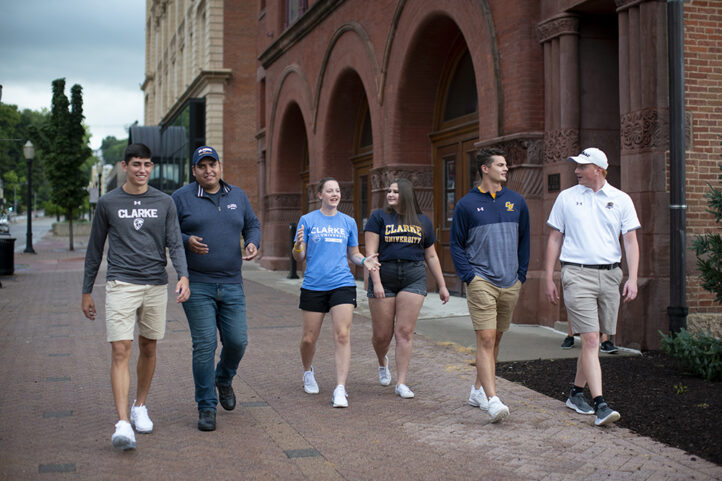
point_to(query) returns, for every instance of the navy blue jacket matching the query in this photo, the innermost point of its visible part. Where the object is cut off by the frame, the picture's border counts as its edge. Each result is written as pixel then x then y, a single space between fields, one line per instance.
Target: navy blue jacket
pixel 490 237
pixel 221 228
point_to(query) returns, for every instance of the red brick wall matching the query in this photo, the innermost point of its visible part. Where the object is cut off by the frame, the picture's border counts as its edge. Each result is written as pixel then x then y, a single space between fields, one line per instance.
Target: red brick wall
pixel 239 110
pixel 703 96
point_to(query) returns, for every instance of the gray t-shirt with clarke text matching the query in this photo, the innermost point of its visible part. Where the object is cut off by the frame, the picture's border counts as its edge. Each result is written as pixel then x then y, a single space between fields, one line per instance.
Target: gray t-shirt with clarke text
pixel 138 227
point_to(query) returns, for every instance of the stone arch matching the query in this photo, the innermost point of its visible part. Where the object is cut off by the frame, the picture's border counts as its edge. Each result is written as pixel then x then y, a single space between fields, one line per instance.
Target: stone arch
pixel 366 47
pixel 419 58
pixel 292 86
pixel 489 32
pixel 340 125
pixel 287 150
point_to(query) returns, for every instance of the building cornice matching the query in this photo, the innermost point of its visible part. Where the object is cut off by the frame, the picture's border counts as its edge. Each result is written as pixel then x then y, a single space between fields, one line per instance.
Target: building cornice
pixel 205 78
pixel 148 79
pixel 296 32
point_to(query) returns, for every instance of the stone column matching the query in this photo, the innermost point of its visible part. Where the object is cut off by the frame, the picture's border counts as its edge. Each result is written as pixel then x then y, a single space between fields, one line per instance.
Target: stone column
pixel 559 36
pixel 644 129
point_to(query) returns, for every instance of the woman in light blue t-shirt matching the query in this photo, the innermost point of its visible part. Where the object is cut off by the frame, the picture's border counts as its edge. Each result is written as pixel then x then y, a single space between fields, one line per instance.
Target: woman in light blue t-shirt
pixel 327 239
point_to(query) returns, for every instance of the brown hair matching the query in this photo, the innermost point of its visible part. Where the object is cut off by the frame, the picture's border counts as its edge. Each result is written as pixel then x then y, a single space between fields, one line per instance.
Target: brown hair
pixel 322 182
pixel 483 157
pixel 408 208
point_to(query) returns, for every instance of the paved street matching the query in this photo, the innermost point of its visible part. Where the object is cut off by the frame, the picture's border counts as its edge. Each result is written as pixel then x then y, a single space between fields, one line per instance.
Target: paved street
pixel 58 414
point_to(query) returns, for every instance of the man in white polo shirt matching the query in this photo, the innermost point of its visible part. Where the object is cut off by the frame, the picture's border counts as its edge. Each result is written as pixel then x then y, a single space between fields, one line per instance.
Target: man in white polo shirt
pixel 586 222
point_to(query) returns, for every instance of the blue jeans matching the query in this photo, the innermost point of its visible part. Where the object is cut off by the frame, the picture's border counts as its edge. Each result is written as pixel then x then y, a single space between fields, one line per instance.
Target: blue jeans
pixel 211 307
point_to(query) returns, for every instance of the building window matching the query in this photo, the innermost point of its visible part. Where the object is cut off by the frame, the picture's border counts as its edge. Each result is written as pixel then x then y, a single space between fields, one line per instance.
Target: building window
pixel 461 97
pixel 294 10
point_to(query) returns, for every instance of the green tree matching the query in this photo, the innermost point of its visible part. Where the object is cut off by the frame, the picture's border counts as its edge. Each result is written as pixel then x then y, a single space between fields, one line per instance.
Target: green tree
pixel 16 127
pixel 113 149
pixel 66 148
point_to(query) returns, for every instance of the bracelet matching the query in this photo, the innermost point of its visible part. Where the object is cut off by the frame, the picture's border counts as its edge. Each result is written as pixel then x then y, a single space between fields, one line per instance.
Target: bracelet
pixel 363 260
pixel 297 250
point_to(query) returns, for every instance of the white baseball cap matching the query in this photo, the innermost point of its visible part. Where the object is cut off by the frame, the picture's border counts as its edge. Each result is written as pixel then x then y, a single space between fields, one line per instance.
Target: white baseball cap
pixel 591 155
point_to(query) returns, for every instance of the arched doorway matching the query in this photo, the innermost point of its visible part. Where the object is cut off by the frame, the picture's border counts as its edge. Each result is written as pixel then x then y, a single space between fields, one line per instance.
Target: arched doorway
pixel 456 129
pixel 348 146
pixel 287 187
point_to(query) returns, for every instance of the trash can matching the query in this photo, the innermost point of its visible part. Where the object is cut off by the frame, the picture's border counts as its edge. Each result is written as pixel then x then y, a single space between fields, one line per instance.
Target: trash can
pixel 7 256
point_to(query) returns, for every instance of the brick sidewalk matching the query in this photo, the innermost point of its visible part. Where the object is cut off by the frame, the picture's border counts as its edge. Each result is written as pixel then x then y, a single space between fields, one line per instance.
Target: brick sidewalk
pixel 58 414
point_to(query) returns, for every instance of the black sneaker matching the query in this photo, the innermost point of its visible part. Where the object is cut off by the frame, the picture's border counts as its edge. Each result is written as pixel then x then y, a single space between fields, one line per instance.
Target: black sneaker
pixel 606 415
pixel 608 347
pixel 579 404
pixel 568 342
pixel 207 420
pixel 227 397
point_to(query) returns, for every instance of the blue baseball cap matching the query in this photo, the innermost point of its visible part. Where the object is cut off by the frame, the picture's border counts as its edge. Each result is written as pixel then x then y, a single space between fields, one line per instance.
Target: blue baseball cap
pixel 203 152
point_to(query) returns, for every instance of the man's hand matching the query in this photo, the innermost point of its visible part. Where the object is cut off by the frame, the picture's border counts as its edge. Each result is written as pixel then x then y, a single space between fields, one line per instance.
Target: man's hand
pixel 88 306
pixel 550 290
pixel 630 290
pixel 196 246
pixel 182 289
pixel 251 252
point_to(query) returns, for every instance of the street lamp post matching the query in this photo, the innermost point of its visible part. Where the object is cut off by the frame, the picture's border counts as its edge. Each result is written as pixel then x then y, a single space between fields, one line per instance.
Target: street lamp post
pixel 29 153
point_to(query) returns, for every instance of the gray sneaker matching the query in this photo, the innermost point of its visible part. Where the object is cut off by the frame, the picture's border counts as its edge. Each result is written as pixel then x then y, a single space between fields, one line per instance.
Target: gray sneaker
pixel 579 404
pixel 606 415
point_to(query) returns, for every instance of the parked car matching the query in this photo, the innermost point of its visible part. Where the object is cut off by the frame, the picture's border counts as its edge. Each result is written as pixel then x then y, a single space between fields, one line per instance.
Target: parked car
pixel 4 225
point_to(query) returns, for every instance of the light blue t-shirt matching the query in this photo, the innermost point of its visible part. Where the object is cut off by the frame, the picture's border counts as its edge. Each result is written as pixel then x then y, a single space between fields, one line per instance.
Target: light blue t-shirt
pixel 327 239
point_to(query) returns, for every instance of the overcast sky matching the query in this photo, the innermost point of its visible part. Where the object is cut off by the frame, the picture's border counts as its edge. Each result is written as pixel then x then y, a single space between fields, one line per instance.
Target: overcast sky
pixel 99 44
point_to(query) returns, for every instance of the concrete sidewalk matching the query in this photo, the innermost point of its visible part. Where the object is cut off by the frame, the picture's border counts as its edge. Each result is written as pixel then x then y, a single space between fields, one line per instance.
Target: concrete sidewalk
pixel 58 411
pixel 450 322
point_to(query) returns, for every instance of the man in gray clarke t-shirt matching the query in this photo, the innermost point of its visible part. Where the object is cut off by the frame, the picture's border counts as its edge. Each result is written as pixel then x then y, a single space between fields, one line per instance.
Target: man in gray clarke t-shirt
pixel 139 223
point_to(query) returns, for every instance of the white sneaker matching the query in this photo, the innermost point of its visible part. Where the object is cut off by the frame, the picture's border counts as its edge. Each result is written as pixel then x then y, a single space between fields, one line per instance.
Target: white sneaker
pixel 477 397
pixel 139 418
pixel 340 397
pixel 404 391
pixel 497 410
pixel 123 438
pixel 385 374
pixel 309 382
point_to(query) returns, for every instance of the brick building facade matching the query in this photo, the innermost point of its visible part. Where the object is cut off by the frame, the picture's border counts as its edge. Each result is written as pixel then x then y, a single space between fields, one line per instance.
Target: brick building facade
pixel 200 87
pixel 291 91
pixel 368 92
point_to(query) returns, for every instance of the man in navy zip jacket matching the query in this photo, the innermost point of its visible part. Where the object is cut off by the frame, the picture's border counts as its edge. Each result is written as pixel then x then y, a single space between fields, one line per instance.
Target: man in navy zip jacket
pixel 215 220
pixel 490 249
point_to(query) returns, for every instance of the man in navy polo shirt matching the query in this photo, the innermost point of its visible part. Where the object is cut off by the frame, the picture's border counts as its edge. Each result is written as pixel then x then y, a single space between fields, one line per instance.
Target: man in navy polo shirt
pixel 586 222
pixel 216 220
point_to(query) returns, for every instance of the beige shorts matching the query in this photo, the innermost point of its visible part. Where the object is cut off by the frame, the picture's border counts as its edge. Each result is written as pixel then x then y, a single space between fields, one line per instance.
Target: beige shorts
pixel 124 302
pixel 592 298
pixel 491 307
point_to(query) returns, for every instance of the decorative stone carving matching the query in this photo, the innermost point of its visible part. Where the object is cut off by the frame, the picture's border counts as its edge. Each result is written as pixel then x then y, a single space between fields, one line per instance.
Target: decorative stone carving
pixel 421 176
pixel 560 144
pixel 644 130
pixel 557 26
pixel 282 208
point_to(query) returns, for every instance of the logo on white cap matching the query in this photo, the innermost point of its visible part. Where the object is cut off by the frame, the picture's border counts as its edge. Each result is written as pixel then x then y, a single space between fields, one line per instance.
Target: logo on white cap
pixel 591 155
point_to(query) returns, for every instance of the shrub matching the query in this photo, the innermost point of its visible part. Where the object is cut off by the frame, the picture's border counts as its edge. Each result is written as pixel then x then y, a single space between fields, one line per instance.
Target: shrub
pixel 708 247
pixel 699 353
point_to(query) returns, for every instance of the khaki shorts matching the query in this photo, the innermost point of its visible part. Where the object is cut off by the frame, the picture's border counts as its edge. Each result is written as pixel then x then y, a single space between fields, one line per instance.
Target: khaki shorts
pixel 491 307
pixel 592 298
pixel 125 301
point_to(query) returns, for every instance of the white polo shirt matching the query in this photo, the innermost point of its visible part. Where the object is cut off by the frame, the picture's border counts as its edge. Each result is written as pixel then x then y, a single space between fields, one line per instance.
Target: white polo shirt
pixel 592 223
